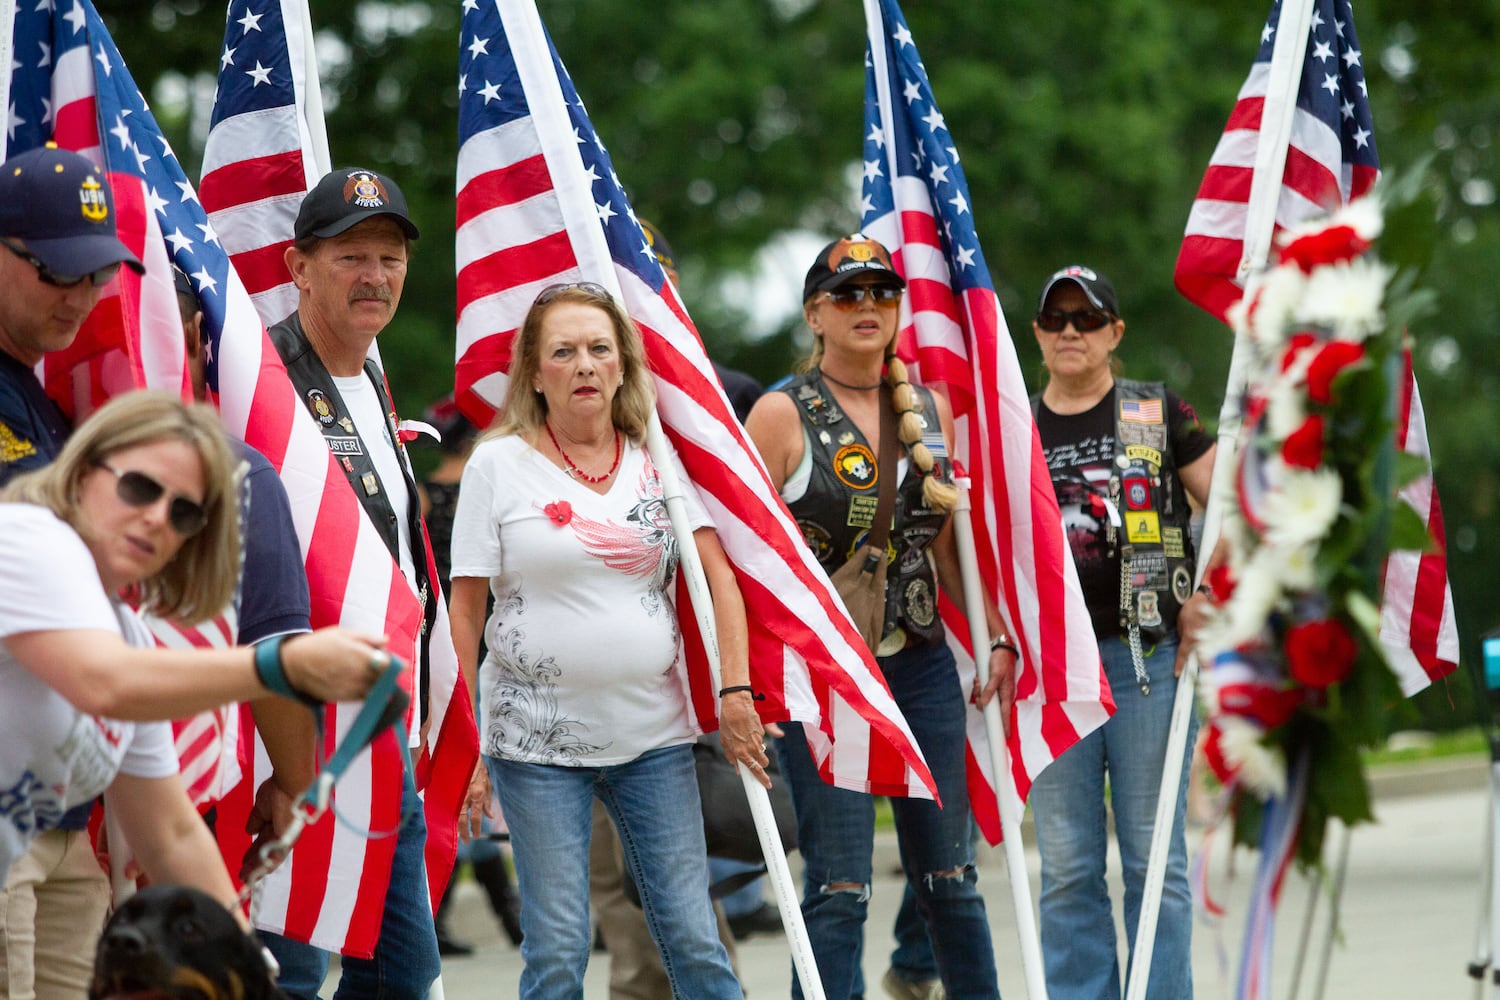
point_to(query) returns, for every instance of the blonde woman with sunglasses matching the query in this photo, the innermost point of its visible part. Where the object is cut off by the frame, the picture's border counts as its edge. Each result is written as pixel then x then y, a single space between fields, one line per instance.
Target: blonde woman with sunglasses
pixel 138 508
pixel 821 438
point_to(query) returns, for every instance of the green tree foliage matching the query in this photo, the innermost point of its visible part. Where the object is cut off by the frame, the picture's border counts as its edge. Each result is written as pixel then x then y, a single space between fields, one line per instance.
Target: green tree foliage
pixel 1084 130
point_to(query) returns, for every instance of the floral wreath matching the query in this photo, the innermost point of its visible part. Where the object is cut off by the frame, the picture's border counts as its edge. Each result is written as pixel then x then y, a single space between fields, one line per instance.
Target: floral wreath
pixel 1296 681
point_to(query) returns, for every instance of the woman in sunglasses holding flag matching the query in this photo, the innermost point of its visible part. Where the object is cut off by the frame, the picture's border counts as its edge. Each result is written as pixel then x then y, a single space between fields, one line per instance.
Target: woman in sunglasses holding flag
pixel 1125 457
pixel 850 428
pixel 138 507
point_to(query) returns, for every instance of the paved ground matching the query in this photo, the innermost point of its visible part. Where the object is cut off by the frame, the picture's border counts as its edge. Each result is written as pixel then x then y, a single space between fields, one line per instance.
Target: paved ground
pixel 1409 916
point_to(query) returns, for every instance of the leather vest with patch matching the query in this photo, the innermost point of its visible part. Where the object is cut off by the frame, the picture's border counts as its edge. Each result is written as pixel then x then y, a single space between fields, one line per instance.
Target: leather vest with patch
pixel 317 390
pixel 1146 489
pixel 837 509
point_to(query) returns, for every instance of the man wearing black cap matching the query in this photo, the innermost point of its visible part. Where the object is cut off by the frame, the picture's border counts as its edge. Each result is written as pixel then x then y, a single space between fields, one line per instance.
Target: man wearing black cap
pixel 348 260
pixel 57 227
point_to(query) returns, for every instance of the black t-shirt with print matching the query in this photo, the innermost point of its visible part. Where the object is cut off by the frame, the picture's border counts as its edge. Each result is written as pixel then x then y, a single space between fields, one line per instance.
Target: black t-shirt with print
pixel 1080 449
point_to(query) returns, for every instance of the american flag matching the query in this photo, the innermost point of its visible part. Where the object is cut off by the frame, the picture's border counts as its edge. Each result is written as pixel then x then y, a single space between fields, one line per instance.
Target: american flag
pixel 954 337
pixel 1330 161
pixel 539 202
pixel 75 85
pixel 260 157
pixel 257 165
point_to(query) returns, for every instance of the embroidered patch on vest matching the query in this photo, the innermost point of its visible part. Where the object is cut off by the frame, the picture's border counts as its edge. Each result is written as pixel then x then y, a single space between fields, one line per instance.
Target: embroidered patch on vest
pixel 854 464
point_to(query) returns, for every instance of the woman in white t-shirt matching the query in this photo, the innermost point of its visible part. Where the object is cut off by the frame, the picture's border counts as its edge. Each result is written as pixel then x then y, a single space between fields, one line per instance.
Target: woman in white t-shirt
pixel 140 504
pixel 583 692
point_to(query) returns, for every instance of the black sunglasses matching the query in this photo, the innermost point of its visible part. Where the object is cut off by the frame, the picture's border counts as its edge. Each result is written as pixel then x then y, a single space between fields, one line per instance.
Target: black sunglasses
pixel 587 287
pixel 51 277
pixel 137 489
pixel 848 297
pixel 1083 320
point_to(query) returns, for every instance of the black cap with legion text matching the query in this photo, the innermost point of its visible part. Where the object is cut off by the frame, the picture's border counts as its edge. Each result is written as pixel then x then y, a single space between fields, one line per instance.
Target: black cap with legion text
pixel 847 258
pixel 344 198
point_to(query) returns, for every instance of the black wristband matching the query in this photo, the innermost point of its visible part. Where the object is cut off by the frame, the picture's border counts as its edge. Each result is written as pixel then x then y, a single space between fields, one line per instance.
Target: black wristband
pixel 741 687
pixel 1206 590
pixel 1003 642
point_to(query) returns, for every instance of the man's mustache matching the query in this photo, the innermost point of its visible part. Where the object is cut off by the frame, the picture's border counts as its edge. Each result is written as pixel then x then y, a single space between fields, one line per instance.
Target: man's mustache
pixel 371 292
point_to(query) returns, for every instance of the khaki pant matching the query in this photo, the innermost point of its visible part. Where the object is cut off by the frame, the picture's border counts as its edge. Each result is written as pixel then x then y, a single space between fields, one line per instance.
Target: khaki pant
pixel 53 908
pixel 635 971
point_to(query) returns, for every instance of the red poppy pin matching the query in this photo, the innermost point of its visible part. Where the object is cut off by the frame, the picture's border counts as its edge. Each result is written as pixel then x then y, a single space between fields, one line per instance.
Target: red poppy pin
pixel 560 511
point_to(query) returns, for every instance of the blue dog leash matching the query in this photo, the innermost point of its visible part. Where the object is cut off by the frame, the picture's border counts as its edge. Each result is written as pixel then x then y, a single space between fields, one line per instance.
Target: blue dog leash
pixel 384 706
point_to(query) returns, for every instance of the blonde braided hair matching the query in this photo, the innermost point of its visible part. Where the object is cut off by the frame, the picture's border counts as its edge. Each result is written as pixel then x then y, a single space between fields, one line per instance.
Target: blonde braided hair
pixel 939 493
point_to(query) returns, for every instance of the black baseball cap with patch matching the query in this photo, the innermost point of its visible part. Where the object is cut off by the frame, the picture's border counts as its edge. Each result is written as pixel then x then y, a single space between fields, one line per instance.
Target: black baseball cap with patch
pixel 61 207
pixel 1095 285
pixel 344 198
pixel 848 258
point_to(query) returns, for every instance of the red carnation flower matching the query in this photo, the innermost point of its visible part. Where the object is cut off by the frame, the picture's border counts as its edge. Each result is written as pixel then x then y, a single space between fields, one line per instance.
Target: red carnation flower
pixel 1303 448
pixel 1335 356
pixel 1330 246
pixel 1320 653
pixel 1221 581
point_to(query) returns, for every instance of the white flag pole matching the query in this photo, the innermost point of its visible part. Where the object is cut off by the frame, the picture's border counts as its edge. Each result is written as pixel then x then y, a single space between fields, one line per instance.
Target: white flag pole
pixel 1005 792
pixel 7 50
pixel 312 100
pixel 1277 115
pixel 523 26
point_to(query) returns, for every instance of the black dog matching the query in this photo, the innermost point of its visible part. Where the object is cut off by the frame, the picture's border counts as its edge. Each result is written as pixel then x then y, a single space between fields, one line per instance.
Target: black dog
pixel 175 943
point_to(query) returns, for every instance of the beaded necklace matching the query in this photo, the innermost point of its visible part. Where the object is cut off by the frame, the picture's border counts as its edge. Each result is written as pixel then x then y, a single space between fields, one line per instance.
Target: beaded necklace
pixel 577 473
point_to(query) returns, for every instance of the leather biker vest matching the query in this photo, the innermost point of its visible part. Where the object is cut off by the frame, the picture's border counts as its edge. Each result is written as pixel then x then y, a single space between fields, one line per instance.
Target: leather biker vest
pixel 1154 536
pixel 838 508
pixel 318 391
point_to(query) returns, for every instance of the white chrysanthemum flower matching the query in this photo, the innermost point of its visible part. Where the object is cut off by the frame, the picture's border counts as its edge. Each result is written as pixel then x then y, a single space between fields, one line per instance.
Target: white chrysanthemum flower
pixel 1286 407
pixel 1294 567
pixel 1261 769
pixel 1302 506
pixel 1256 594
pixel 1364 216
pixel 1278 293
pixel 1213 639
pixel 1346 298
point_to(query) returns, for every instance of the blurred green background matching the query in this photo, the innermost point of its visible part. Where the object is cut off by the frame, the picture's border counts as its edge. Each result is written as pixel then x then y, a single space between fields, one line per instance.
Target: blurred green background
pixel 1084 131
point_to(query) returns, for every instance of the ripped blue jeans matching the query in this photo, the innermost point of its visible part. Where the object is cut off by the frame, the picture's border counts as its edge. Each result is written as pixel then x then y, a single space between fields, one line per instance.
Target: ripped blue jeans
pixel 836 835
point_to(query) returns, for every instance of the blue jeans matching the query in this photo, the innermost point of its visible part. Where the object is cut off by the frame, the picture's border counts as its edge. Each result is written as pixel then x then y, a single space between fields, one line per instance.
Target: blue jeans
pixel 406 961
pixel 653 801
pixel 836 834
pixel 912 958
pixel 1078 928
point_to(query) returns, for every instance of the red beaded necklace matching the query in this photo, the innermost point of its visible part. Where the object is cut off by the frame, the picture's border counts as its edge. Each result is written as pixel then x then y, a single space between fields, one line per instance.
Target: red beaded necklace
pixel 577 473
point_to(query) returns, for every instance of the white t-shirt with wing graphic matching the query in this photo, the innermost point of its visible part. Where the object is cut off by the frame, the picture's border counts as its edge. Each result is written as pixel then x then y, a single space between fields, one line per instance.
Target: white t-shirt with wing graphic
pixel 585 662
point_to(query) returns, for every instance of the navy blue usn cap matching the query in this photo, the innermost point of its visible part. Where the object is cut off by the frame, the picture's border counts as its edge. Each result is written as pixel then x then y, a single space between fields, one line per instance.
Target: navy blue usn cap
pixel 60 205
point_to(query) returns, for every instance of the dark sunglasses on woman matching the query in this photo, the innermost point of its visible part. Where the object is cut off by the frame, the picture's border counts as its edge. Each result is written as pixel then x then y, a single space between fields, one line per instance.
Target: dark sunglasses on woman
pixel 849 297
pixel 1083 320
pixel 51 277
pixel 137 489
